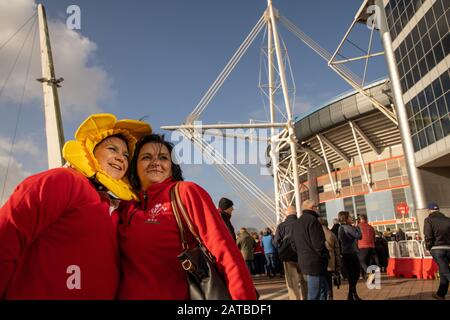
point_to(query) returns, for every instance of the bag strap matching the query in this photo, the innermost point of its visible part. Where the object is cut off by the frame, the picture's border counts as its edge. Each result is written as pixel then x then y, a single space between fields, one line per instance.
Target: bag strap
pixel 177 203
pixel 174 203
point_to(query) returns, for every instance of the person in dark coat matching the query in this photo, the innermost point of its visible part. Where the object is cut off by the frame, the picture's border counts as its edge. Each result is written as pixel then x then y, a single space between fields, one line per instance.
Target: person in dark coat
pixel 312 253
pixel 381 247
pixel 400 235
pixel 437 240
pixel 226 210
pixel 349 235
pixel 293 277
pixel 335 228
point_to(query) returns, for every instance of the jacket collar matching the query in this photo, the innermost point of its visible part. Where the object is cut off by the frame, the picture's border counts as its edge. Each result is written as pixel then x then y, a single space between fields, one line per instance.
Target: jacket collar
pixel 435 214
pixel 291 217
pixel 313 213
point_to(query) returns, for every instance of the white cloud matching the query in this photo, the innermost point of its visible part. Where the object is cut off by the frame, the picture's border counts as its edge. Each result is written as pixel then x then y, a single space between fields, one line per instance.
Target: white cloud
pixel 11 170
pixel 86 86
pixel 23 147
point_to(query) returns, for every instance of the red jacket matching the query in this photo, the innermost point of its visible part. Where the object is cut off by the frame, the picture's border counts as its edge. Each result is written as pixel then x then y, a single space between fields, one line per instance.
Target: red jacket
pixel 368 236
pixel 149 242
pixel 58 240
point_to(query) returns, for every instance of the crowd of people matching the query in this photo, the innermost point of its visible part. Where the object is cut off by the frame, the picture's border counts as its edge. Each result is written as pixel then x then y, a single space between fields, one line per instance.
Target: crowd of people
pixel 314 257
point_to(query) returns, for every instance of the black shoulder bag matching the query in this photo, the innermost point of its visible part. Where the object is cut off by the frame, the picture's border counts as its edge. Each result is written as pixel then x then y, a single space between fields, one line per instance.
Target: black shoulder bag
pixel 203 277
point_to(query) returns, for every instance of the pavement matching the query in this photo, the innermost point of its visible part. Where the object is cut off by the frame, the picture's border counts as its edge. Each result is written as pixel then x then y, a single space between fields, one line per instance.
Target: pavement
pixel 389 289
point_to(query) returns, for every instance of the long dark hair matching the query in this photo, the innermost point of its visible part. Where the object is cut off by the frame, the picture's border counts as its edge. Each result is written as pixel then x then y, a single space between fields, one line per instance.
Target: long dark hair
pixel 177 173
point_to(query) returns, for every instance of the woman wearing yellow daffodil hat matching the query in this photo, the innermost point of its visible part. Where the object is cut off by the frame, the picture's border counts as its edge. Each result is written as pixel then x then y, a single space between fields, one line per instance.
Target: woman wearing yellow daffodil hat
pixel 58 230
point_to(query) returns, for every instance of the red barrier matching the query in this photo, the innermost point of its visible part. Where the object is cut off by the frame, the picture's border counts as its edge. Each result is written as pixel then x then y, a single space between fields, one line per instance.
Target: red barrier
pixel 429 268
pixel 405 267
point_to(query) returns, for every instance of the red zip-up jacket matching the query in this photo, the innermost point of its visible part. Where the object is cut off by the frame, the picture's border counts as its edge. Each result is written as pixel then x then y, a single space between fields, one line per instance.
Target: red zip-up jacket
pixel 58 240
pixel 368 236
pixel 149 242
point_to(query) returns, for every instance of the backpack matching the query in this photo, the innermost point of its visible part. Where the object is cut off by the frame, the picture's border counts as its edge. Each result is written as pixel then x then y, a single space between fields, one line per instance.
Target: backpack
pixel 285 250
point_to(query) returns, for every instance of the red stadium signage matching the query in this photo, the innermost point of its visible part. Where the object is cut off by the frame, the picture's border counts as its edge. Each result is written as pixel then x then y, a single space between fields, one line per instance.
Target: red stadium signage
pixel 402 208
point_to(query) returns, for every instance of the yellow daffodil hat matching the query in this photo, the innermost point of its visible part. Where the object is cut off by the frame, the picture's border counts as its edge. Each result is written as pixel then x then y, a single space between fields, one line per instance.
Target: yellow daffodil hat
pixel 79 153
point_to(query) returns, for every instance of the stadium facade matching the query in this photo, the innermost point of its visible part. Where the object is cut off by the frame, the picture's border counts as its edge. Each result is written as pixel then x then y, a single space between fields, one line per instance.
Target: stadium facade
pixel 356 154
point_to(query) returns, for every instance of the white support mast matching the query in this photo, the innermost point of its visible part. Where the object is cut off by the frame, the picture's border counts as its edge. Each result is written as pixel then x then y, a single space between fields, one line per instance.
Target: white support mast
pixel 53 123
pixel 290 125
pixel 274 138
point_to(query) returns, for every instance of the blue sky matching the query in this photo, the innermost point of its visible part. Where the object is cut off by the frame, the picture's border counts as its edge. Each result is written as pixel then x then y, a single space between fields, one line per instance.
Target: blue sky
pixel 157 58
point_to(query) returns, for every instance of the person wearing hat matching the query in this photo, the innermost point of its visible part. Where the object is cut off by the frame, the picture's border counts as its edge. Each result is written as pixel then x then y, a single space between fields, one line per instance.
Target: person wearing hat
pixel 58 230
pixel 226 210
pixel 437 240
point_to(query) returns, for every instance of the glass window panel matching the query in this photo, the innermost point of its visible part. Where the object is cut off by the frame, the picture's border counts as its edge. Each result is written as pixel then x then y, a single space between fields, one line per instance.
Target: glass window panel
pixel 356 180
pixel 447 15
pixel 438 9
pixel 409 43
pixel 404 19
pixel 406 64
pixel 426 117
pixel 430 60
pixel 437 89
pixel 416 74
pixel 422 139
pixel 412 125
pixel 419 121
pixel 438 130
pixel 447 101
pixel 426 42
pixel 440 106
pixel 423 67
pixel 438 53
pixel 409 109
pixel 402 49
pixel 434 112
pixel 446 43
pixel 393 33
pixel 442 26
pixel 419 50
pixel 434 35
pixel 397 55
pixel 422 27
pixel 398 27
pixel 415 33
pixel 401 70
pixel 345 182
pixel 416 144
pixel 446 125
pixel 429 94
pixel 429 18
pixel 412 57
pixel 410 11
pixel 430 134
pixel 415 105
pixel 417 4
pixel 403 84
pixel 400 7
pixel 409 80
pixel 422 100
pixel 445 80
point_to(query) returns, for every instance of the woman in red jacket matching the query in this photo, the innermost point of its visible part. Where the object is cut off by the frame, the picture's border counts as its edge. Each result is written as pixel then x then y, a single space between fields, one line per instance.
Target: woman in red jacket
pixel 58 230
pixel 149 238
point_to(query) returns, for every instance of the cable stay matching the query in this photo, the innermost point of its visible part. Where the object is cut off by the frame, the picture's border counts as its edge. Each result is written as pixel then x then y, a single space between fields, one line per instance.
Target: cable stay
pixel 24 87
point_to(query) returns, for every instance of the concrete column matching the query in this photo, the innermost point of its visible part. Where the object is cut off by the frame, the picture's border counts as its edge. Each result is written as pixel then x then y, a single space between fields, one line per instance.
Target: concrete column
pixel 415 178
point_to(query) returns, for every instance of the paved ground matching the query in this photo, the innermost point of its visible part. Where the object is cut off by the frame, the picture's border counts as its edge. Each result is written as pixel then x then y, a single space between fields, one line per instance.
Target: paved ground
pixel 391 289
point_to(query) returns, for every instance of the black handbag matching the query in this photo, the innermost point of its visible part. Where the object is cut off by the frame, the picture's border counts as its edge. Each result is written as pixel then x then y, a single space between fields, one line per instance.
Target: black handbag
pixel 203 277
